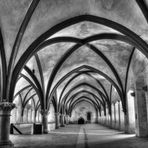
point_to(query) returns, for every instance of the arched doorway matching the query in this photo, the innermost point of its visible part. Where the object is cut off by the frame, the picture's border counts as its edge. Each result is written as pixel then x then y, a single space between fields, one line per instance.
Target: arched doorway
pixel 81 120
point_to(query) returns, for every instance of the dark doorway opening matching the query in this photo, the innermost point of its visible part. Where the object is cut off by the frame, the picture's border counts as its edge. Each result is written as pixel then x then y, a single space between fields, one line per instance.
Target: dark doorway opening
pixel 81 120
pixel 88 117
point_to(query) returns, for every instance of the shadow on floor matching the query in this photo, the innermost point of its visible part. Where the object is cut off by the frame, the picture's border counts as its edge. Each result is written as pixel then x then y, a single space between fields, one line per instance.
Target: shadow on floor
pixel 133 142
pixel 93 136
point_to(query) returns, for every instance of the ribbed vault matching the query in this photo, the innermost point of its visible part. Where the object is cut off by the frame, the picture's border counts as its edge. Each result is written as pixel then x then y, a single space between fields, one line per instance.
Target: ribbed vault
pixel 81 52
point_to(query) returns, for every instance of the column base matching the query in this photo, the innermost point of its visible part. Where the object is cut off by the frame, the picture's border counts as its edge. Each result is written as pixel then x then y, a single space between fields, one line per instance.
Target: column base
pixel 57 127
pixel 7 144
pixel 62 125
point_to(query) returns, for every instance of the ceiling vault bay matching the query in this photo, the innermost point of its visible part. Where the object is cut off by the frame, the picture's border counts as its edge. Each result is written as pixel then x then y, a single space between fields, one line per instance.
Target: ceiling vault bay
pixel 56 56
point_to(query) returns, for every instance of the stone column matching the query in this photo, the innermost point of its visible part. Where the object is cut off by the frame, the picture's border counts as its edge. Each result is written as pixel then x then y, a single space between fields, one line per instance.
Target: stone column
pixel 62 120
pixel 126 123
pixel 33 116
pixel 119 115
pixel 110 123
pixel 114 115
pixel 25 116
pixel 111 114
pixel 67 119
pixel 44 114
pixel 141 108
pixel 97 116
pixel 57 118
pixel 5 110
pixel 106 117
pixel 126 119
pixel 28 115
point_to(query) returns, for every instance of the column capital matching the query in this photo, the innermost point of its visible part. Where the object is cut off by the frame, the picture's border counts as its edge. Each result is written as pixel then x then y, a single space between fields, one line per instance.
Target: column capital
pixel 44 112
pixel 6 106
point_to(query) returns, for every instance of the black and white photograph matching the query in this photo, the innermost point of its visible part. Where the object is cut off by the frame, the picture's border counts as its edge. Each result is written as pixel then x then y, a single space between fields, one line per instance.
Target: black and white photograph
pixel 73 73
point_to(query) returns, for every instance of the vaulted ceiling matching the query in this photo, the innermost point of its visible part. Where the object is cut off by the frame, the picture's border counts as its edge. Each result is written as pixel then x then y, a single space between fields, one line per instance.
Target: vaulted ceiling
pixel 110 55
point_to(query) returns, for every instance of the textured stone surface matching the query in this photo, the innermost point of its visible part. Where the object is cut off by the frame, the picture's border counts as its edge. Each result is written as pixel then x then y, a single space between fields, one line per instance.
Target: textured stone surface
pixel 74 136
pixel 49 13
pixel 12 13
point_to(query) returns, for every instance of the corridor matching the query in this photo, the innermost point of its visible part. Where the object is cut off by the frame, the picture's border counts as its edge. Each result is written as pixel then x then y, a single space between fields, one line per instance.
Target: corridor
pixel 80 136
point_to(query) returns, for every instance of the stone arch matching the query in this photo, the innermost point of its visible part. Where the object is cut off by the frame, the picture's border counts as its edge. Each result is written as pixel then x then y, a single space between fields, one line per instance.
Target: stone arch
pixel 141 44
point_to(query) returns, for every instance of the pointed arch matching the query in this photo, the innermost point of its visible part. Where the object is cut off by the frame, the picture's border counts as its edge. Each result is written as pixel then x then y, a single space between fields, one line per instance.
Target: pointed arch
pixel 82 97
pixel 140 44
pixel 102 96
pixel 81 100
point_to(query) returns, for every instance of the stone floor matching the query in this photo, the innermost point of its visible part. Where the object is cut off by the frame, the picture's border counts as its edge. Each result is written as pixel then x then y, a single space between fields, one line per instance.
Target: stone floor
pixel 80 136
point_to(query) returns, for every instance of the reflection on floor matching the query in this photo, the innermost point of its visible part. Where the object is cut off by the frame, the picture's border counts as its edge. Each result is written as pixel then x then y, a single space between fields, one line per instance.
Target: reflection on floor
pixel 80 136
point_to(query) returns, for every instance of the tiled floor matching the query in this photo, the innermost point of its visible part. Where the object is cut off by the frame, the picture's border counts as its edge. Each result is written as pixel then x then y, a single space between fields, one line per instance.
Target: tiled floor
pixel 76 136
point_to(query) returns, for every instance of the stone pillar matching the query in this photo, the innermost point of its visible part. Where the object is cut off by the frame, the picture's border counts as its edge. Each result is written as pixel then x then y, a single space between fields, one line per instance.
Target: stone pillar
pixel 126 119
pixel 107 116
pixel 113 118
pixel 122 117
pixel 44 114
pixel 62 120
pixel 110 123
pixel 33 116
pixel 131 111
pixel 25 116
pixel 57 120
pixel 119 115
pixel 141 108
pixel 115 115
pixel 97 117
pixel 59 117
pixel 5 110
pixel 126 123
pixel 29 116
pixel 67 119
